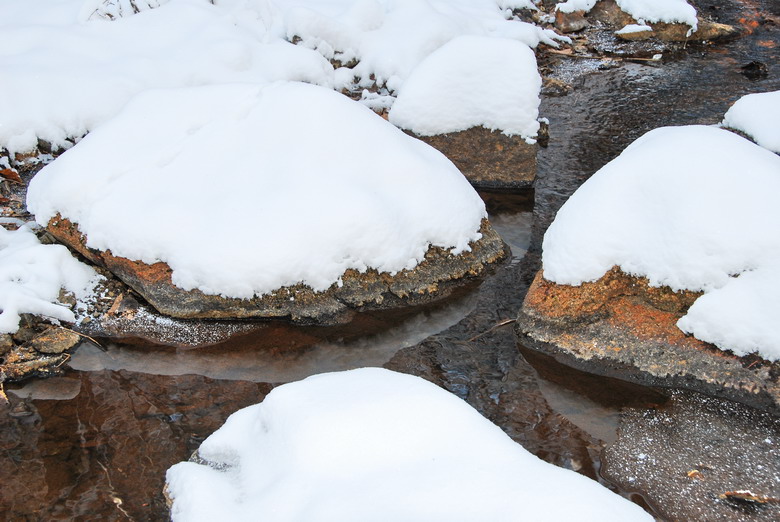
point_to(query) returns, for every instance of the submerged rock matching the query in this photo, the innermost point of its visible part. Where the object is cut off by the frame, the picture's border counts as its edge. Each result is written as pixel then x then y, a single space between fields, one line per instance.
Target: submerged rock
pixel 434 278
pixel 620 326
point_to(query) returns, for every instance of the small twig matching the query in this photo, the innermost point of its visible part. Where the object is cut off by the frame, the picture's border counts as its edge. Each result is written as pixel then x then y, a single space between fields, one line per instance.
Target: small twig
pixel 85 336
pixel 497 325
pixel 66 359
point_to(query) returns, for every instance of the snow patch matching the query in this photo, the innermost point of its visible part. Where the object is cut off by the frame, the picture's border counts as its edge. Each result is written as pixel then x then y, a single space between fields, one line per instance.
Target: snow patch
pixel 243 189
pixel 31 276
pixel 634 28
pixel 372 444
pixel 691 208
pixel 758 116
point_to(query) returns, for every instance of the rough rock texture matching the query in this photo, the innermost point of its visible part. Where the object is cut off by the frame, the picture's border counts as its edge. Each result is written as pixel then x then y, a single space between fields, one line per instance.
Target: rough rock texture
pixel 488 159
pixel 621 327
pixel 608 12
pixel 688 452
pixel 436 277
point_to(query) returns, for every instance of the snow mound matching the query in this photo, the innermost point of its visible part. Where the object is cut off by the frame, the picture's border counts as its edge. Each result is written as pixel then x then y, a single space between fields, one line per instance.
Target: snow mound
pixel 692 208
pixel 472 81
pixel 63 77
pixel 243 189
pixel 372 444
pixel 69 65
pixel 758 116
pixel 31 276
pixel 644 11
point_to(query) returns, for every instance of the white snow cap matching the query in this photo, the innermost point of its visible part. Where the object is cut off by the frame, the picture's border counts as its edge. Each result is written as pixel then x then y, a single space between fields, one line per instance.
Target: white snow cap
pixel 758 116
pixel 67 68
pixel 243 189
pixel 31 276
pixel 471 81
pixel 650 11
pixel 372 444
pixel 692 208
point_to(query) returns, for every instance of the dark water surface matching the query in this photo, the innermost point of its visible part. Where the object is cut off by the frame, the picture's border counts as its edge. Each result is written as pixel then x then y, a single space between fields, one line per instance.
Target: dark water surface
pixel 95 443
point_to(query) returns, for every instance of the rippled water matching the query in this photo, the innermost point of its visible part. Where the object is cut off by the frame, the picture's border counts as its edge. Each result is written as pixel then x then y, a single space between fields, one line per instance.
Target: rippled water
pixel 95 443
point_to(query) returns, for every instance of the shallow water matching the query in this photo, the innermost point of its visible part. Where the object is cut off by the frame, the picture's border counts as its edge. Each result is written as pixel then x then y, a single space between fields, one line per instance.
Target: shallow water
pixel 95 443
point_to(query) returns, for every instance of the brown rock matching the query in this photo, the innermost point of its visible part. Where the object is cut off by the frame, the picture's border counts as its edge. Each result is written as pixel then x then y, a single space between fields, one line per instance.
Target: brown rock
pixel 679 32
pixel 436 277
pixel 570 22
pixel 619 326
pixel 488 159
pixel 55 341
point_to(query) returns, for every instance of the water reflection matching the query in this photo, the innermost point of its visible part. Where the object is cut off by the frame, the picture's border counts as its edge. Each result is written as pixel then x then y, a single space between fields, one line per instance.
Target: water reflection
pixel 285 355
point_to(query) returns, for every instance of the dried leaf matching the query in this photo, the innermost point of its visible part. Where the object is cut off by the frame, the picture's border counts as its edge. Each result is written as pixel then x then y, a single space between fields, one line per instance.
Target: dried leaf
pixel 11 175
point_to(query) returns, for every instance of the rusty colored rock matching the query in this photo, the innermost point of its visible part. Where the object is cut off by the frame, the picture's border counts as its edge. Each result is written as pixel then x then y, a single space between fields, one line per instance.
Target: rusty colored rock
pixel 434 278
pixel 488 159
pixel 570 22
pixel 55 341
pixel 619 326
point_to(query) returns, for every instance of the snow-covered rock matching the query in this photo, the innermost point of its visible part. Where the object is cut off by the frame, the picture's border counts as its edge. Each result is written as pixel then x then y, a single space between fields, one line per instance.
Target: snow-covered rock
pixel 690 208
pixel 758 116
pixel 69 65
pixel 468 82
pixel 239 190
pixel 31 276
pixel 372 444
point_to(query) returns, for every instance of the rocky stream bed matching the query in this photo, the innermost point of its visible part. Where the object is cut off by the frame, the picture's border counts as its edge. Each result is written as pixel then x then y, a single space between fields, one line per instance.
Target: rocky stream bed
pixel 94 440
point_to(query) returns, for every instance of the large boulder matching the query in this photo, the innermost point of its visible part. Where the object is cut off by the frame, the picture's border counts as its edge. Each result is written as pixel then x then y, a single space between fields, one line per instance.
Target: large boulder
pixel 664 269
pixel 285 200
pixel 476 99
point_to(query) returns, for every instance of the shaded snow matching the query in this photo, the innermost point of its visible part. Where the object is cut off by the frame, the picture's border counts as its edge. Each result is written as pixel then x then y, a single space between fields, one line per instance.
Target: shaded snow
pixel 31 276
pixel 758 116
pixel 688 207
pixel 472 81
pixel 372 444
pixel 243 189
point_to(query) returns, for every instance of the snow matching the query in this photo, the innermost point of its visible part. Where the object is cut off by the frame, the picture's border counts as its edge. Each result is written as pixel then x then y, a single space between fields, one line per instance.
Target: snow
pixel 70 65
pixel 243 189
pixel 644 11
pixel 570 6
pixel 654 11
pixel 688 207
pixel 471 81
pixel 372 444
pixel 31 276
pixel 634 28
pixel 757 115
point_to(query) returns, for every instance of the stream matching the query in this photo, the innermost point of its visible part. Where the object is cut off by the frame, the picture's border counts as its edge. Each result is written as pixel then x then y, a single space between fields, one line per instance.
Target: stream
pixel 95 442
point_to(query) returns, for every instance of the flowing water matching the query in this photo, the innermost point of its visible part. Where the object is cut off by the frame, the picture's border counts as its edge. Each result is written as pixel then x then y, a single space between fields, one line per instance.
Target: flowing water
pixel 95 442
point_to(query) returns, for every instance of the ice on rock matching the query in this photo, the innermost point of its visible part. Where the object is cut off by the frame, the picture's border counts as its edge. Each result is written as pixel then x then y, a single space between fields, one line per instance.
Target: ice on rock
pixel 689 207
pixel 372 444
pixel 242 189
pixel 472 81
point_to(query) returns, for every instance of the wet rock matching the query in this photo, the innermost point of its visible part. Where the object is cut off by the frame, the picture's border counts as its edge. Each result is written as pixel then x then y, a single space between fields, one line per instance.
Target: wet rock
pixel 555 87
pixel 685 456
pixel 434 278
pixel 488 159
pixel 755 70
pixel 570 22
pixel 55 341
pixel 619 326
